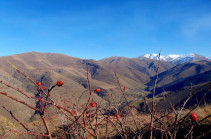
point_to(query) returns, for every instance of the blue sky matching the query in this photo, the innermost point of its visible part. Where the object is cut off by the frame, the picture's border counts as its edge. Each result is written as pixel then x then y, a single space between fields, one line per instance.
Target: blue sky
pixel 97 29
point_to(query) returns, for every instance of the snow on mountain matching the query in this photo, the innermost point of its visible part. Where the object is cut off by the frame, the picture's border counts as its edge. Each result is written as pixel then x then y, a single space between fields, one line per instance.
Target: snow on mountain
pixel 177 59
pixel 153 56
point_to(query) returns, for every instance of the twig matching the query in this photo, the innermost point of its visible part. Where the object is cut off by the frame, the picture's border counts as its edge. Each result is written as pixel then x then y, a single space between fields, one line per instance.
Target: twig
pixel 16 119
pixel 128 104
pixel 46 126
pixel 22 102
pixel 1 137
pixel 29 133
pixel 153 99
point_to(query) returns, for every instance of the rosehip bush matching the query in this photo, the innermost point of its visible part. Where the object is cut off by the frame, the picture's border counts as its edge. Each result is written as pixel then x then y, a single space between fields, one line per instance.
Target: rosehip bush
pixel 79 120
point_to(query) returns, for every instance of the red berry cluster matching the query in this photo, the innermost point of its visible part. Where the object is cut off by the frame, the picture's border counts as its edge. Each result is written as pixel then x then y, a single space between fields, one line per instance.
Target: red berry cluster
pixel 39 84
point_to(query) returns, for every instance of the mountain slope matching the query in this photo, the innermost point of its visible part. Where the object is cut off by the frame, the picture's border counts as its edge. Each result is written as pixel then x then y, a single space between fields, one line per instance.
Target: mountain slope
pixel 141 69
pixel 132 72
pixel 49 67
pixel 194 80
pixel 181 72
pixel 181 83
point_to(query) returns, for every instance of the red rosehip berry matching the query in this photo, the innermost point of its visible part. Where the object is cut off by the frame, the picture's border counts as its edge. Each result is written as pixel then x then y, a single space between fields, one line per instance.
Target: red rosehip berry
pixel 124 88
pixel 43 88
pixel 97 90
pixel 74 111
pixel 92 115
pixel 87 112
pixel 168 117
pixel 117 116
pixel 38 84
pixel 193 117
pixel 59 83
pixel 92 104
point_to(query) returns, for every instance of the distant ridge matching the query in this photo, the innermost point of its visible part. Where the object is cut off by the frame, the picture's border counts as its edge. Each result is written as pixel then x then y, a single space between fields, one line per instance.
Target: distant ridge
pixel 177 59
pixel 171 58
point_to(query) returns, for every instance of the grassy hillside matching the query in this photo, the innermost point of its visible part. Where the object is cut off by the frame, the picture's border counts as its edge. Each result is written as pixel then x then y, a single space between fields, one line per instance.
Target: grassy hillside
pixel 75 109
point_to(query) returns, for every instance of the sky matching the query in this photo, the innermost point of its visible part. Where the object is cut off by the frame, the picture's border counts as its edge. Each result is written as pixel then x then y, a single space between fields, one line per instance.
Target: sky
pixel 96 29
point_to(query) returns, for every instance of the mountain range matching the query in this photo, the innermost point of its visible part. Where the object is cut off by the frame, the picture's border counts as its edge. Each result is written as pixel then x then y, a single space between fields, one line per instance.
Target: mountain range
pixel 136 74
pixel 177 59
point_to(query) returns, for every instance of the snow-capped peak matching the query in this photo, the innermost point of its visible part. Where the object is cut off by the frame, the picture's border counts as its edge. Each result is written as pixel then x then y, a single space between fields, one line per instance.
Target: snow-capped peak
pixel 209 58
pixel 177 59
pixel 153 56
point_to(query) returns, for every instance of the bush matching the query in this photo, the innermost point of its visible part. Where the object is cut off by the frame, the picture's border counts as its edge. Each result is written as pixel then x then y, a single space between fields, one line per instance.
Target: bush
pixel 59 117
